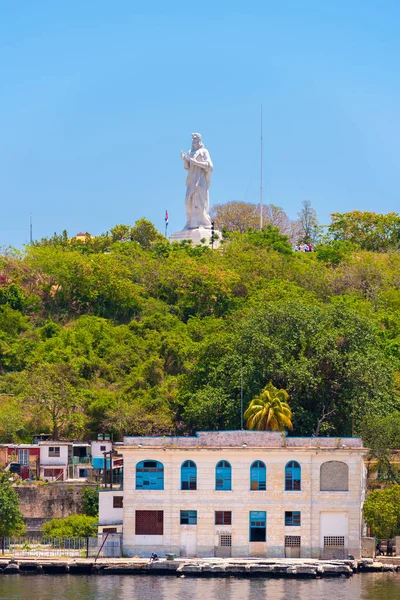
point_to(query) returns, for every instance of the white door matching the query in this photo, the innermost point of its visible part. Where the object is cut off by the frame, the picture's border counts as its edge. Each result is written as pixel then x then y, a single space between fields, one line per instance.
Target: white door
pixel 334 534
pixel 189 541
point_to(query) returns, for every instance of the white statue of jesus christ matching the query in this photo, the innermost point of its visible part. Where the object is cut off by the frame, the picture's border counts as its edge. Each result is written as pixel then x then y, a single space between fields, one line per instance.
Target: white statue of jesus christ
pixel 198 162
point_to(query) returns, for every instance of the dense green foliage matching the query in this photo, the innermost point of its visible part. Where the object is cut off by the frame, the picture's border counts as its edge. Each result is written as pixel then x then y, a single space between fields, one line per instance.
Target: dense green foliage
pixel 90 501
pixel 11 519
pixel 145 337
pixel 371 231
pixel 382 435
pixel 71 527
pixel 382 512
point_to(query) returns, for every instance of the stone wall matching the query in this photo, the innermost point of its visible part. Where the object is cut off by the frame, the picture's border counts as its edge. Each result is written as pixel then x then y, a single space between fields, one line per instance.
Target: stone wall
pixel 334 476
pixel 41 503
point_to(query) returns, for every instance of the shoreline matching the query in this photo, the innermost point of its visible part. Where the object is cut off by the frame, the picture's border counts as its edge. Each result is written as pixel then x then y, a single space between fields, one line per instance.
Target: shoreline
pixel 211 567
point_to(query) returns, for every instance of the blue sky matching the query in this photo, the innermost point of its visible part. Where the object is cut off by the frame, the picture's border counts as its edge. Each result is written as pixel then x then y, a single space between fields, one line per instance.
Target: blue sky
pixel 98 98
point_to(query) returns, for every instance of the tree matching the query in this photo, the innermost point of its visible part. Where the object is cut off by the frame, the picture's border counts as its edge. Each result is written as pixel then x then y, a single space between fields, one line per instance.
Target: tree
pixel 144 233
pixel 371 231
pixel 90 501
pixel 382 435
pixel 269 411
pixel 11 419
pixel 309 228
pixel 51 389
pixel 11 518
pixel 72 527
pixel 270 237
pixel 240 216
pixel 120 232
pixel 382 512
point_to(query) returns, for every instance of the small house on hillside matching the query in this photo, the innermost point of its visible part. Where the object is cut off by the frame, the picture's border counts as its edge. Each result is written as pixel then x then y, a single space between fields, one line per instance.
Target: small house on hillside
pixel 54 459
pixel 22 459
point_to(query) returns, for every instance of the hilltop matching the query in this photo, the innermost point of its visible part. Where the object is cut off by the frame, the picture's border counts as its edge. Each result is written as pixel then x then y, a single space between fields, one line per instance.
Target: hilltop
pixel 146 337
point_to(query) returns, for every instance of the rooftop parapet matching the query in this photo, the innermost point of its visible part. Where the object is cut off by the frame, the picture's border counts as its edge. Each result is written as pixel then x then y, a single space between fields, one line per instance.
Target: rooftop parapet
pixel 236 439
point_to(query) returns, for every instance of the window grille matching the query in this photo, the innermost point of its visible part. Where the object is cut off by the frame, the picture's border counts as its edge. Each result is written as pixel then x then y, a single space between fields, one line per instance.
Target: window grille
pixel 258 476
pixel 292 541
pixel 292 518
pixel 223 476
pixel 149 475
pixel 292 476
pixel 334 540
pixel 225 540
pixel 188 517
pixel 223 517
pixel 109 530
pixel 149 522
pixel 189 475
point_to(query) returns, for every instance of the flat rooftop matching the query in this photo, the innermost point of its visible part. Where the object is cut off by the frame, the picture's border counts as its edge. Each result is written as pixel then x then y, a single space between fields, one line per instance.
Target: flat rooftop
pixel 236 439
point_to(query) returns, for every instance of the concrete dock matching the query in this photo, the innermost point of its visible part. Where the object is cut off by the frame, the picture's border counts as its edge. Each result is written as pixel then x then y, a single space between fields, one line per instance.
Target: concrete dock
pixel 212 567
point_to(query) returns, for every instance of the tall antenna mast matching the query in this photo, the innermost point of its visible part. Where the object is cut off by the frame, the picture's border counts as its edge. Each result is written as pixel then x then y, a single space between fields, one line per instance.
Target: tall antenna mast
pixel 261 171
pixel 241 395
pixel 30 230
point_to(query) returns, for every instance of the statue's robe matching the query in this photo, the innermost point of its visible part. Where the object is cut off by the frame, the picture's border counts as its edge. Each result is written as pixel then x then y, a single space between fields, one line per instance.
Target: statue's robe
pixel 197 185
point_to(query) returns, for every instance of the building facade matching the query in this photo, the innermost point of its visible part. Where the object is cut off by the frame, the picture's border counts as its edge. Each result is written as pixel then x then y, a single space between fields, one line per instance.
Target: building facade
pixel 111 505
pixel 243 493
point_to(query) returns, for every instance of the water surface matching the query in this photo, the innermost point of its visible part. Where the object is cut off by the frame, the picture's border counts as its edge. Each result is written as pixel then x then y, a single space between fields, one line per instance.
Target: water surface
pixel 373 586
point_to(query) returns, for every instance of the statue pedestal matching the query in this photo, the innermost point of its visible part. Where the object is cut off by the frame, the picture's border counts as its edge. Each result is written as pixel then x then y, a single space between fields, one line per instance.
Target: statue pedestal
pixel 196 235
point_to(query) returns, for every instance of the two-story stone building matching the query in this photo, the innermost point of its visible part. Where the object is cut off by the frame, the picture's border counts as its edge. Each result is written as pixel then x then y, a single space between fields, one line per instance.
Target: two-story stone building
pixel 243 493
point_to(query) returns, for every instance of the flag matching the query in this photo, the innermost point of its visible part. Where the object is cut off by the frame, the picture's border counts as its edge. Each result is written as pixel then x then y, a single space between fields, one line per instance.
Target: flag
pixel 166 217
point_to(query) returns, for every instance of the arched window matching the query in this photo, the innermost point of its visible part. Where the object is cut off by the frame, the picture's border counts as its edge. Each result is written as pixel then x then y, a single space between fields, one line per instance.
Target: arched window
pixel 149 475
pixel 334 476
pixel 258 476
pixel 223 476
pixel 188 475
pixel 292 476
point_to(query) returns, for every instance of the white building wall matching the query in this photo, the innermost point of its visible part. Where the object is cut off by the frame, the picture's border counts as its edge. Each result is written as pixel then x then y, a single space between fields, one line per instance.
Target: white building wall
pixel 96 448
pixel 240 501
pixel 46 460
pixel 109 515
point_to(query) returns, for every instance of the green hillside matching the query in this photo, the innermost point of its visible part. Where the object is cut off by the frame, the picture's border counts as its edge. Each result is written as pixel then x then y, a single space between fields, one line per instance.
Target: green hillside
pixel 143 337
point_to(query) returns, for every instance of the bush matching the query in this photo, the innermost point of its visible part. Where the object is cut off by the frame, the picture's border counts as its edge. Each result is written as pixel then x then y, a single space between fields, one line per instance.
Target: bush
pixel 90 500
pixel 71 527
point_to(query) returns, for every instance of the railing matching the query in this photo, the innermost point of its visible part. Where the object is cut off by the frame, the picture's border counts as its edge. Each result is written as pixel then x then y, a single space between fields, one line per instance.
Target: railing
pixel 80 460
pixel 68 547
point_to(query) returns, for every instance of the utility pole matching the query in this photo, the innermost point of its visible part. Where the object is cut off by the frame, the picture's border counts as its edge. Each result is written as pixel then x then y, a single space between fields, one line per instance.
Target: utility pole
pixel 106 469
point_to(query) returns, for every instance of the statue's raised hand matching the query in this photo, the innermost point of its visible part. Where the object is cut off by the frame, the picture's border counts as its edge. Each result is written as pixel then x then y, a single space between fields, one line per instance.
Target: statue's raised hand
pixel 183 156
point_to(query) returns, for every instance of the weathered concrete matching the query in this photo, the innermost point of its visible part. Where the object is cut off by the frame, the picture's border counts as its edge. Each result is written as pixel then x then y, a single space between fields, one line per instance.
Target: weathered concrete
pixel 41 503
pixel 231 439
pixel 292 568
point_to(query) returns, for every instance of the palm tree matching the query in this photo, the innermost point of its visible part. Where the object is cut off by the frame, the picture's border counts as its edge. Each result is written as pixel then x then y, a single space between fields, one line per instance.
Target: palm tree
pixel 269 411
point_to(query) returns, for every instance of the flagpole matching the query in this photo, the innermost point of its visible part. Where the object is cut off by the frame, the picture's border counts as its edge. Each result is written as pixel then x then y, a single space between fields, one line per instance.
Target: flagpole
pixel 261 170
